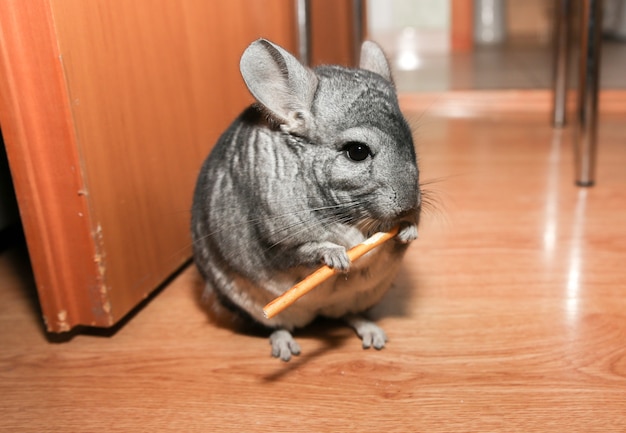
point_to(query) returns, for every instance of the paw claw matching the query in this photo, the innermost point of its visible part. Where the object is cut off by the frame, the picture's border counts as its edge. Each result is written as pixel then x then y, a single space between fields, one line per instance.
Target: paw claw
pixel 370 333
pixel 283 345
pixel 375 338
pixel 336 258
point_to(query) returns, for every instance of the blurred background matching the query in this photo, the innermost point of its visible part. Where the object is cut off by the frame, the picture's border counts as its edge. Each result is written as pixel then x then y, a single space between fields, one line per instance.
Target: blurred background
pixel 510 46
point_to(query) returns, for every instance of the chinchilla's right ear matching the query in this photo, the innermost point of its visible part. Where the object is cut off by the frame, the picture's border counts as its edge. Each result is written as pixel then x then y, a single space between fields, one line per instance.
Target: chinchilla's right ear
pixel 373 59
pixel 280 83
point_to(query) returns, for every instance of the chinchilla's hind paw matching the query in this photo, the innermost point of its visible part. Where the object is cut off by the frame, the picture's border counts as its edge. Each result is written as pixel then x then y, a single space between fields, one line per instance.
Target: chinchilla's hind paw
pixel 283 345
pixel 370 333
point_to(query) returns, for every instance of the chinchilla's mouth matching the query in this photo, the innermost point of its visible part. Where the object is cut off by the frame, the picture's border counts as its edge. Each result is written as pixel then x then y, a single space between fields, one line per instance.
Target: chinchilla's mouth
pixel 369 226
pixel 410 217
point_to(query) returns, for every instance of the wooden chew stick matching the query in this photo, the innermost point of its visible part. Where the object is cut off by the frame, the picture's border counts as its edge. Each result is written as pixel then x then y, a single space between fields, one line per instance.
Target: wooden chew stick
pixel 324 273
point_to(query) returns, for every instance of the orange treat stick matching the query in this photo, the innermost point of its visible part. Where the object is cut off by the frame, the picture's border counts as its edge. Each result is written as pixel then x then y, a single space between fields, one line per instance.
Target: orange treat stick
pixel 324 273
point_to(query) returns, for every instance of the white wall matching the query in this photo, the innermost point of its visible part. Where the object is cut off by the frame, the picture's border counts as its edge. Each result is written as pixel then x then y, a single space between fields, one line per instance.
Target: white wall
pixel 408 28
pixel 385 15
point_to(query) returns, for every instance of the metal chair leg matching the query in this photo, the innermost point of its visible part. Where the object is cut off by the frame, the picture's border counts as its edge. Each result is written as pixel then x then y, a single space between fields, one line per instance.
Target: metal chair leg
pixel 357 30
pixel 587 108
pixel 303 23
pixel 561 61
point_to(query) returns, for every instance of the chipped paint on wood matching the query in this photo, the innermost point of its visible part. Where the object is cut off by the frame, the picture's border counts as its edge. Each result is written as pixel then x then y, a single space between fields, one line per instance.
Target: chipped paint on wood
pixel 62 323
pixel 101 290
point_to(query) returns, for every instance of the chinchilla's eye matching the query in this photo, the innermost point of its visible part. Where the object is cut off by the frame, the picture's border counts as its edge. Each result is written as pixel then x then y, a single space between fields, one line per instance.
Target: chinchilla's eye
pixel 357 151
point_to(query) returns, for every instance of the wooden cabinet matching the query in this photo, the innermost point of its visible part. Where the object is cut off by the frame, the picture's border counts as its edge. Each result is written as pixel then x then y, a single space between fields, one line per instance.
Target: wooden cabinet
pixel 108 108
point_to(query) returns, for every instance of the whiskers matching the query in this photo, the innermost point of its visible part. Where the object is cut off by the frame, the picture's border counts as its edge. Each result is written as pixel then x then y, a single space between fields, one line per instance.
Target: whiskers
pixel 432 205
pixel 369 226
pixel 417 119
pixel 297 223
pixel 341 214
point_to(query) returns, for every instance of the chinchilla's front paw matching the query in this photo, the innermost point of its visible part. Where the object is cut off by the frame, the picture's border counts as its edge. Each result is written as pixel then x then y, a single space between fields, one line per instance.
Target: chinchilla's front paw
pixel 336 258
pixel 408 233
pixel 328 253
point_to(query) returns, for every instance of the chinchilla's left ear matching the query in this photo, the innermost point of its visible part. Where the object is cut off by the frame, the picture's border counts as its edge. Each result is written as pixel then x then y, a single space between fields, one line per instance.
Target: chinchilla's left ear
pixel 280 83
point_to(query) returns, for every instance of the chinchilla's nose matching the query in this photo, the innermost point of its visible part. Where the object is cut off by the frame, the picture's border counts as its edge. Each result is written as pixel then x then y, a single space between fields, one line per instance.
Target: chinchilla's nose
pixel 410 216
pixel 409 199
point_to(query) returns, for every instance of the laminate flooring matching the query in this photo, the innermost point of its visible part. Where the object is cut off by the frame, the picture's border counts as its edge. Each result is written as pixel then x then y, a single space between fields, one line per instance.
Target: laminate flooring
pixel 509 313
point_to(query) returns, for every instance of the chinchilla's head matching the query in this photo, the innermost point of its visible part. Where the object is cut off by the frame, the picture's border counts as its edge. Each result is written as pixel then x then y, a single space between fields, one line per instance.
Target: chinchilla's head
pixel 358 148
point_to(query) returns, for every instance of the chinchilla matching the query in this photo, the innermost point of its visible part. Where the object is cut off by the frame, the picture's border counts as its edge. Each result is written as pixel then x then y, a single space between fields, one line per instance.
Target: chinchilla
pixel 321 161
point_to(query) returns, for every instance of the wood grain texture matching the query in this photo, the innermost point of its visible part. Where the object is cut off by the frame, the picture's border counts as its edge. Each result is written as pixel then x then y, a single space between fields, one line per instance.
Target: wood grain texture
pixel 153 85
pixel 509 315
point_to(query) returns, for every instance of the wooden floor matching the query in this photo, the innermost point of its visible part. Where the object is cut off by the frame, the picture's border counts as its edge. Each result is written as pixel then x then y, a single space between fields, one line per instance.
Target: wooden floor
pixel 509 314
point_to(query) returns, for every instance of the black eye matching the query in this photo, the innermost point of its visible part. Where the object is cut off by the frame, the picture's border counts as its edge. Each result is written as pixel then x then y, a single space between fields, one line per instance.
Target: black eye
pixel 357 151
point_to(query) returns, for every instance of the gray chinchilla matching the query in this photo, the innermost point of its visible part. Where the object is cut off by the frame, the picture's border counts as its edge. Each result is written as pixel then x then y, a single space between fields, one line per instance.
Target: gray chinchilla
pixel 322 161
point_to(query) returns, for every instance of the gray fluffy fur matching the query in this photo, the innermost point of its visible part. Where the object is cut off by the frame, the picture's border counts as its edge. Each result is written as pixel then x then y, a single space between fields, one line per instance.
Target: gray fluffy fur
pixel 279 194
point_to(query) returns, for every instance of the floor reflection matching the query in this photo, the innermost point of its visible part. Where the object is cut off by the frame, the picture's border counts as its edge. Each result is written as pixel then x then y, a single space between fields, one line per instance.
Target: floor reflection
pixel 573 295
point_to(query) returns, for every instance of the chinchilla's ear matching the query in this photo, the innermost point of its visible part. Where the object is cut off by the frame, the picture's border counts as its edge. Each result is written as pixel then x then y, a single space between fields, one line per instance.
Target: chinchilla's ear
pixel 280 83
pixel 373 59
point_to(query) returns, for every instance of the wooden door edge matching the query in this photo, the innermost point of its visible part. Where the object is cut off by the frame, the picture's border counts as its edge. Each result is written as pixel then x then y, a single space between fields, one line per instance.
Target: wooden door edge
pixel 40 141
